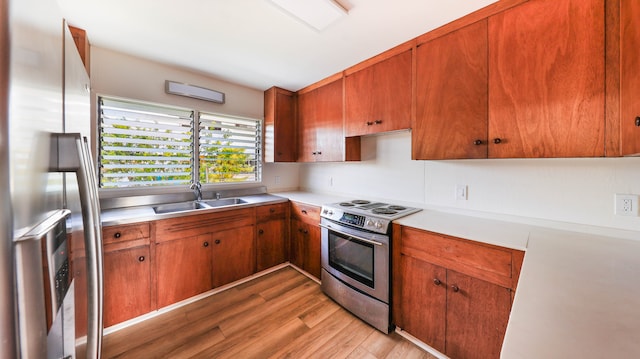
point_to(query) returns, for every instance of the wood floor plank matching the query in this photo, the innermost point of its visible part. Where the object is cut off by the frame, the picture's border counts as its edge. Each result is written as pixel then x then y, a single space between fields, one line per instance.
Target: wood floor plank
pixel 280 315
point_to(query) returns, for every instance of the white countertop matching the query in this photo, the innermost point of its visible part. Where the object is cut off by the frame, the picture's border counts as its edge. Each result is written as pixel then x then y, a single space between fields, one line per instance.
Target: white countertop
pixel 578 294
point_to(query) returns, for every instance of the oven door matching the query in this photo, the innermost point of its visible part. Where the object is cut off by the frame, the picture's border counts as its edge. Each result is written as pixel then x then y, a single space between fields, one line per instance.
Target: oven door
pixel 358 258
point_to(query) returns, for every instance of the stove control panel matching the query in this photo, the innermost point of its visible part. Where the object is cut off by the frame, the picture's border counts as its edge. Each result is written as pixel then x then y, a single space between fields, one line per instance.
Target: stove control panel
pixel 370 223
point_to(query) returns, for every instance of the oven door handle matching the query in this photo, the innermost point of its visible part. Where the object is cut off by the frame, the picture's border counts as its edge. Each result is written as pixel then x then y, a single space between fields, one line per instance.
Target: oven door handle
pixel 352 236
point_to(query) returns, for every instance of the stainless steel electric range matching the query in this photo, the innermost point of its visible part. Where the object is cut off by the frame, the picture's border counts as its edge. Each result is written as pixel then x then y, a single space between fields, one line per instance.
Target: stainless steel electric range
pixel 356 257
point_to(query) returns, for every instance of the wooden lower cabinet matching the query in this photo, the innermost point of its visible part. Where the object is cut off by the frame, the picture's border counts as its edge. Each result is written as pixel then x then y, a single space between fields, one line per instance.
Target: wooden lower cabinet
pixel 127 284
pixel 305 246
pixel 184 268
pixel 455 295
pixel 233 255
pixel 272 235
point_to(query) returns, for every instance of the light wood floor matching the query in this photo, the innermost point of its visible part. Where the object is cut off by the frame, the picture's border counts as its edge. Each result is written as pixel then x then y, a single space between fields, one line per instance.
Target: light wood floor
pixel 280 315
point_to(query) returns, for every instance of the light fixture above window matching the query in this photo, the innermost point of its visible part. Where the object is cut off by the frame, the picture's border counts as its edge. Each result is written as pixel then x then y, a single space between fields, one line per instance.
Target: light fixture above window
pixel 318 14
pixel 201 93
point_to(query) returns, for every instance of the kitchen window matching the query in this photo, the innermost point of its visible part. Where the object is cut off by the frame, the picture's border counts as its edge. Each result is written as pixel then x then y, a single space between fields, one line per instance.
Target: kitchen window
pixel 144 145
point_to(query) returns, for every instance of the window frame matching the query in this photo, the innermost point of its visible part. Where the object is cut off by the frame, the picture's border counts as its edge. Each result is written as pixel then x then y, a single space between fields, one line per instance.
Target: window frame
pixel 195 163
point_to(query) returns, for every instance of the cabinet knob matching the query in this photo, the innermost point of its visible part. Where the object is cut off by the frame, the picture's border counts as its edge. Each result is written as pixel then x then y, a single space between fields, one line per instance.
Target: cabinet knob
pixel 205 244
pixel 304 211
pixel 217 241
pixel 497 140
pixel 477 142
pixel 436 281
pixel 455 288
pixel 638 121
pixel 378 122
pixel 319 153
pixel 272 210
pixel 369 123
pixel 117 235
pixel 260 231
pixel 141 259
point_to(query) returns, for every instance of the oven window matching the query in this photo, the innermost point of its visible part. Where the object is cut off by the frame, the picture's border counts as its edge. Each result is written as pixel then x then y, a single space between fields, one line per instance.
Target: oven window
pixel 352 257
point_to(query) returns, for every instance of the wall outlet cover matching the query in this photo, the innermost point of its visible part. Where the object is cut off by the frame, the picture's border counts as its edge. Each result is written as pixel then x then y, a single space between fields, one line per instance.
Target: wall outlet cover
pixel 626 204
pixel 461 192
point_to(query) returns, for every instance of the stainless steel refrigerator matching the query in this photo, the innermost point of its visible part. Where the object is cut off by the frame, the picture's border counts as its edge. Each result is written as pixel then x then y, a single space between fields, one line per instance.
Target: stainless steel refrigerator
pixel 49 207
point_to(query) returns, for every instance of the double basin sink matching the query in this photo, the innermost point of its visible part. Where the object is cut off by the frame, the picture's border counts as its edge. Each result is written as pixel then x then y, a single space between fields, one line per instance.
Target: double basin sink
pixel 194 205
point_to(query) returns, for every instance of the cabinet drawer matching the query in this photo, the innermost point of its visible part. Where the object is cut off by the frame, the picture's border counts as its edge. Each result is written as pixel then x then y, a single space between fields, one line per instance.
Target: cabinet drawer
pixel 271 212
pixel 129 232
pixel 482 261
pixel 188 226
pixel 305 213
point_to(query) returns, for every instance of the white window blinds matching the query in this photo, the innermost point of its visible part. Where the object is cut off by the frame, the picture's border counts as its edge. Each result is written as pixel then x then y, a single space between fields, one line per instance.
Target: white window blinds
pixel 144 145
pixel 229 149
pixel 153 145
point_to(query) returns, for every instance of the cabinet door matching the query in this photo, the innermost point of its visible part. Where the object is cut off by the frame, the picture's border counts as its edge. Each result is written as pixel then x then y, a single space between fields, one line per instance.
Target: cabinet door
pixel 451 99
pixel 279 123
pixel 329 123
pixel 271 244
pixel 127 284
pixel 312 250
pixel 378 98
pixel 306 126
pixel 297 241
pixel 233 255
pixel 629 79
pixel 477 316
pixel 546 80
pixel 183 268
pixel 423 301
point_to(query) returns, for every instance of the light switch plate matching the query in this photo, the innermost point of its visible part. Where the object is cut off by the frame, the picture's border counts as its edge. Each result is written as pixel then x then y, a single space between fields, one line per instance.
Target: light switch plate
pixel 461 192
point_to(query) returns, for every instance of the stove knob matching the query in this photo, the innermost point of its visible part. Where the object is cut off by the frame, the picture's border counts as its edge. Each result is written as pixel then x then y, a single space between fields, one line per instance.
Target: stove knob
pixel 369 222
pixel 378 225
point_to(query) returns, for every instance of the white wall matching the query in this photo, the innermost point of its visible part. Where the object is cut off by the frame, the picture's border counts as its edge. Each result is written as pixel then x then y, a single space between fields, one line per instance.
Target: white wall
pixel 568 190
pixel 122 75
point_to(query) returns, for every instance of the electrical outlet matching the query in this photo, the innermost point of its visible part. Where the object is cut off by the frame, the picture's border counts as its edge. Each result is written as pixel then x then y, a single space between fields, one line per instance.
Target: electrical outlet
pixel 277 180
pixel 461 192
pixel 626 204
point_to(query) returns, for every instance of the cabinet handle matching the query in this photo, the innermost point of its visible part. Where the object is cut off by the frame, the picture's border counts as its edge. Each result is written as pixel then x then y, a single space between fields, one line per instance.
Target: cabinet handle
pixel 497 140
pixel 319 153
pixel 477 142
pixel 205 244
pixel 314 153
pixel 217 241
pixel 260 231
pixel 272 210
pixel 455 288
pixel 305 231
pixel 378 122
pixel 117 235
pixel 436 281
pixel 638 121
pixel 304 211
pixel 141 259
pixel 369 123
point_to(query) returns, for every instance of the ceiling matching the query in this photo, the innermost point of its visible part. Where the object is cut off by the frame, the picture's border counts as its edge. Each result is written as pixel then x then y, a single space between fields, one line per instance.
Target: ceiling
pixel 253 42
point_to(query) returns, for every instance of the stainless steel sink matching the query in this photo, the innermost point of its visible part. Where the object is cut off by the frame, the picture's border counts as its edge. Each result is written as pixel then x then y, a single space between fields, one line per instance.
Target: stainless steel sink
pixel 223 202
pixel 179 207
pixel 193 205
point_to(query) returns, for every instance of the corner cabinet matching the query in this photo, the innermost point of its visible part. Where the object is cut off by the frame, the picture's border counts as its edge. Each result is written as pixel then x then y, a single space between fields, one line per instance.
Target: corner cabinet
pixel 279 125
pixel 320 126
pixel 197 253
pixel 547 80
pixel 451 96
pixel 378 97
pixel 453 294
pixel 305 238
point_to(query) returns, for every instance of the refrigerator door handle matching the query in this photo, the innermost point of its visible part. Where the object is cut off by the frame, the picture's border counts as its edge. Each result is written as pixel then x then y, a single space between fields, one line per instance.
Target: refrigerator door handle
pixel 93 245
pixel 70 153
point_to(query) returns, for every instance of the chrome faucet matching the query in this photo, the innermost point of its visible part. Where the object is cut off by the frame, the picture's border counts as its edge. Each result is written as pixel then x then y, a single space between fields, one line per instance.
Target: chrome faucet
pixel 196 187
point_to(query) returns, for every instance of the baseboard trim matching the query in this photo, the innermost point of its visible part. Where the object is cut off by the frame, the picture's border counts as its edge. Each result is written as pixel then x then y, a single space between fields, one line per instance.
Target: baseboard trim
pixel 420 344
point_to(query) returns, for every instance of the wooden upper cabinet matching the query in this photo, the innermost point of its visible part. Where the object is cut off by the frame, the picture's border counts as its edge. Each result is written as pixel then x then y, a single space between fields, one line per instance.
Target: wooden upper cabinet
pixel 629 79
pixel 320 126
pixel 546 80
pixel 378 97
pixel 451 96
pixel 279 125
pixel 82 44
